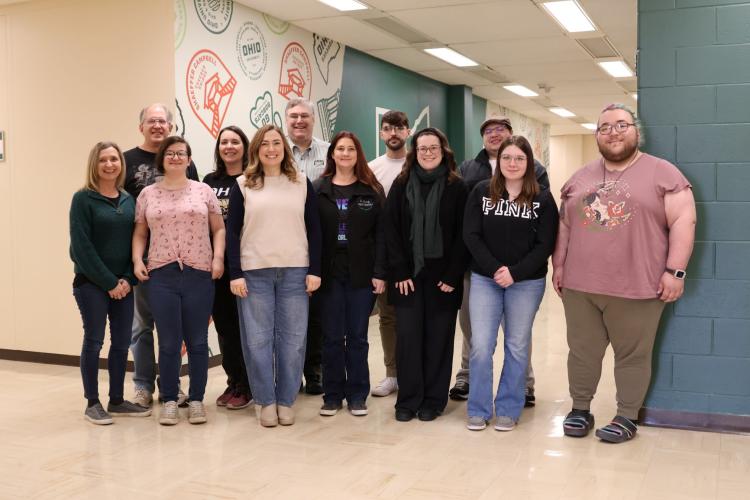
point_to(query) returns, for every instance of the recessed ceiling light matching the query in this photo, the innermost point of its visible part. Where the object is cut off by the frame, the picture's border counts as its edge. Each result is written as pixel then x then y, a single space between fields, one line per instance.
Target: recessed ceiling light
pixel 570 15
pixel 344 5
pixel 562 112
pixel 618 69
pixel 520 90
pixel 590 126
pixel 451 57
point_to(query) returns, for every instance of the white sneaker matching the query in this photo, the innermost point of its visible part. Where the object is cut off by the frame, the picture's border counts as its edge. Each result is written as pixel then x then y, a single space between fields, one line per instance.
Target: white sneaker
pixel 169 415
pixel 196 412
pixel 181 399
pixel 385 387
pixel 143 397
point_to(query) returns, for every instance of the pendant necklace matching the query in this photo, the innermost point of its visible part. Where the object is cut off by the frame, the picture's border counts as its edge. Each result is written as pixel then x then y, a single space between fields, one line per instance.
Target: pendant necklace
pixel 607 186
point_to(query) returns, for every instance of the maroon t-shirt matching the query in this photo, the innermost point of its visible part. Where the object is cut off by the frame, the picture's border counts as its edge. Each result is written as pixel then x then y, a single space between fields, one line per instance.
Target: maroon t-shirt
pixel 619 238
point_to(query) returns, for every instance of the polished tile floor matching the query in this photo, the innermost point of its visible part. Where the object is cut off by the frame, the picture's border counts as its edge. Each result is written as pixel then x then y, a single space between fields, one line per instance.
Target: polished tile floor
pixel 47 449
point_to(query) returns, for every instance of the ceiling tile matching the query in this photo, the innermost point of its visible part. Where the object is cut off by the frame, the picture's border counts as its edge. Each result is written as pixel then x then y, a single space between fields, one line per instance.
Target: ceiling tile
pixel 292 10
pixel 455 77
pixel 412 59
pixel 352 32
pixel 523 51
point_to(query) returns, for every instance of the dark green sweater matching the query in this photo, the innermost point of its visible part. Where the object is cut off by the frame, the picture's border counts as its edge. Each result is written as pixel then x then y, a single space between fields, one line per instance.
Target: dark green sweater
pixel 100 238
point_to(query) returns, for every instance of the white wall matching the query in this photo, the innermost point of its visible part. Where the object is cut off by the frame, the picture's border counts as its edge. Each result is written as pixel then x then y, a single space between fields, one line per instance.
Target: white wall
pixel 568 153
pixel 72 72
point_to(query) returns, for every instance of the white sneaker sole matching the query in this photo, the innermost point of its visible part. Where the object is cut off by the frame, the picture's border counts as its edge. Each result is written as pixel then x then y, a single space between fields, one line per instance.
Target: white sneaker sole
pixel 99 421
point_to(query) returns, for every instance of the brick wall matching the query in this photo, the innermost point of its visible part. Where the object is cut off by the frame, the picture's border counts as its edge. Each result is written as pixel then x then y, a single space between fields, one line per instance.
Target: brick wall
pixel 694 98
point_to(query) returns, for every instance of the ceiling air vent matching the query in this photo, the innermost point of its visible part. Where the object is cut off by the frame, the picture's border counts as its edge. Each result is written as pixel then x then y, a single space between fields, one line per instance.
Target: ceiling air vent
pixel 397 29
pixel 598 47
pixel 488 74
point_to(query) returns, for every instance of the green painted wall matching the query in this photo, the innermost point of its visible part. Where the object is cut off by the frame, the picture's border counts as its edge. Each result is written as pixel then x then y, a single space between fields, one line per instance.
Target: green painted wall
pixel 694 96
pixel 369 83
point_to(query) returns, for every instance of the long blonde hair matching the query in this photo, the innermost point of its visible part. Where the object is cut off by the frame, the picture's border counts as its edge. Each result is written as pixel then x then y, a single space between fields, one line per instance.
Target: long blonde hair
pixel 92 171
pixel 254 174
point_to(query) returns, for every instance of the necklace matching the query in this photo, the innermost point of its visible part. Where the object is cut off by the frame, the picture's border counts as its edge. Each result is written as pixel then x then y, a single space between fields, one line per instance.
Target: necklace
pixel 607 186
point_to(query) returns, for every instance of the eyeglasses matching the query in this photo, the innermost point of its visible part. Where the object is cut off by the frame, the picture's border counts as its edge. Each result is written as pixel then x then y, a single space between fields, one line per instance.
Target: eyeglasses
pixel 387 129
pixel 175 154
pixel 509 158
pixel 156 121
pixel 495 130
pixel 619 127
pixel 423 150
pixel 299 116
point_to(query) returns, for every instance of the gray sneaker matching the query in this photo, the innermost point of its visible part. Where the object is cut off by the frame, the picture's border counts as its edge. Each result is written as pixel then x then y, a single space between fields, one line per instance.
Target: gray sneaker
pixel 476 423
pixel 96 415
pixel 503 423
pixel 169 415
pixel 143 397
pixel 196 412
pixel 128 409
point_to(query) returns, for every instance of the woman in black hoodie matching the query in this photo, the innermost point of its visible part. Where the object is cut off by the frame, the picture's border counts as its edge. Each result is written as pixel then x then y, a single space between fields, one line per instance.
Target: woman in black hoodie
pixel 350 203
pixel 426 262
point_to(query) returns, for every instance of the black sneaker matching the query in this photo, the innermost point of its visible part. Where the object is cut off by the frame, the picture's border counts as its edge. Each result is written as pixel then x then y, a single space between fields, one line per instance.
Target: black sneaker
pixel 530 399
pixel 96 415
pixel 358 408
pixel 330 408
pixel 428 414
pixel 404 415
pixel 460 391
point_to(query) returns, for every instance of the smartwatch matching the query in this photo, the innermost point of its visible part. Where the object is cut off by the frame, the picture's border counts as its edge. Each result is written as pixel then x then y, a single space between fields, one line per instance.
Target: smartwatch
pixel 677 273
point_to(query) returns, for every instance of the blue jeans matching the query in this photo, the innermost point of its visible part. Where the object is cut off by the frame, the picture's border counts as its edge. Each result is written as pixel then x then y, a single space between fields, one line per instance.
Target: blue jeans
pixel 345 317
pixel 142 340
pixel 488 303
pixel 273 324
pixel 95 306
pixel 181 302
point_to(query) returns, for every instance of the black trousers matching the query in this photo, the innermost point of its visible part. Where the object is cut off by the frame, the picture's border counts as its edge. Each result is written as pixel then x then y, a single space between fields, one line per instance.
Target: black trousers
pixel 314 350
pixel 424 350
pixel 227 325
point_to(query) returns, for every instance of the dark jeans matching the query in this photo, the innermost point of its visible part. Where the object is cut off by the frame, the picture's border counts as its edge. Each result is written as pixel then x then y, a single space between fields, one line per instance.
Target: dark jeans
pixel 424 350
pixel 313 352
pixel 181 301
pixel 227 325
pixel 345 314
pixel 95 306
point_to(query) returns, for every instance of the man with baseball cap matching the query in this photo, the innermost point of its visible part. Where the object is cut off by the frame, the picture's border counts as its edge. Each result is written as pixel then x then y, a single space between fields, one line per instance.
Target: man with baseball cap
pixel 494 131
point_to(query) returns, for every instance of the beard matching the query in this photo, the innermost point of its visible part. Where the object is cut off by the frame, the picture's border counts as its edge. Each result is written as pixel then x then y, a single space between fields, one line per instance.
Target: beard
pixel 629 147
pixel 395 143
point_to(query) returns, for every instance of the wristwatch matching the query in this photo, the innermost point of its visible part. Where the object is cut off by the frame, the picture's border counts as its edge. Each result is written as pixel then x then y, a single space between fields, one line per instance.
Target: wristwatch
pixel 677 273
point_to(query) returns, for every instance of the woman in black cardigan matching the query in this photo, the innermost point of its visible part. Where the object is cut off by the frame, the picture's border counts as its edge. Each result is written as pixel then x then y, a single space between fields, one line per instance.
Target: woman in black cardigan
pixel 350 203
pixel 426 262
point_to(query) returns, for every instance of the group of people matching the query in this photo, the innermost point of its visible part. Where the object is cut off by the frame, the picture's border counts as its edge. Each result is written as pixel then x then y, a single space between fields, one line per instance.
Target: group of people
pixel 290 241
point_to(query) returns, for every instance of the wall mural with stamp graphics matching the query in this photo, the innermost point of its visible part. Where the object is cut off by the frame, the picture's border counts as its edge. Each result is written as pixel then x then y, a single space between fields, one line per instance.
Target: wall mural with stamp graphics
pixel 237 66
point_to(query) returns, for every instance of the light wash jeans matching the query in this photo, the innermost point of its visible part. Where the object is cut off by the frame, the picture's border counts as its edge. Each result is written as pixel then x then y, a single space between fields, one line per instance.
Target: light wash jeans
pixel 273 325
pixel 488 303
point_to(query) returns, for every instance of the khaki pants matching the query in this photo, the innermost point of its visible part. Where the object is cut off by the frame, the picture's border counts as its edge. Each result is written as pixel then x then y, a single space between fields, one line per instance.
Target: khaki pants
pixel 387 333
pixel 595 321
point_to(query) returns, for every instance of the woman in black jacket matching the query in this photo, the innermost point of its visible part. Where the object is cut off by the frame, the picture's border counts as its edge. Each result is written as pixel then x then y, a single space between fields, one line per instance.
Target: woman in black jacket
pixel 426 262
pixel 350 201
pixel 510 228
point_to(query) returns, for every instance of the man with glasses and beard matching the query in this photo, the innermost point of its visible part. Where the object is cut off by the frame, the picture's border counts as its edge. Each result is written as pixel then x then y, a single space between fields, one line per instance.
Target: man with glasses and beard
pixel 494 131
pixel 394 130
pixel 627 226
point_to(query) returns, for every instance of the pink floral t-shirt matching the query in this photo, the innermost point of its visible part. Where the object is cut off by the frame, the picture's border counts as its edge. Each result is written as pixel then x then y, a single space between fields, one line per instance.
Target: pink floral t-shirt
pixel 178 223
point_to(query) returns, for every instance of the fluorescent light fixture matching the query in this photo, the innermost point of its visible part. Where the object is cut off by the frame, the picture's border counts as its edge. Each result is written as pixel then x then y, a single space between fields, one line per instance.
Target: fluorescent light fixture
pixel 562 112
pixel 344 5
pixel 451 57
pixel 590 126
pixel 520 90
pixel 570 15
pixel 618 69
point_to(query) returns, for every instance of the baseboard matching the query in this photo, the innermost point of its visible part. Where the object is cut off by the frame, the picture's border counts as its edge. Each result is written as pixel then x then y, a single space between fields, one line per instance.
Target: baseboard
pixel 47 358
pixel 709 422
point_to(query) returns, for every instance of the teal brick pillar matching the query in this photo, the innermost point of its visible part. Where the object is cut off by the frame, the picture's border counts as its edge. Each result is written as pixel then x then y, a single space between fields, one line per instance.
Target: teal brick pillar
pixel 694 98
pixel 460 120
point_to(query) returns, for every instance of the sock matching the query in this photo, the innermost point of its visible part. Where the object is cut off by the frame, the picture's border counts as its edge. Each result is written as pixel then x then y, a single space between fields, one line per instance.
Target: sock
pixel 116 401
pixel 92 402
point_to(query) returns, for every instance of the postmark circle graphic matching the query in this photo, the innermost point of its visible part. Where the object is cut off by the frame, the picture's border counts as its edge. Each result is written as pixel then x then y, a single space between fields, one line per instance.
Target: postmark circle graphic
pixel 180 22
pixel 209 87
pixel 252 51
pixel 215 15
pixel 276 25
pixel 295 76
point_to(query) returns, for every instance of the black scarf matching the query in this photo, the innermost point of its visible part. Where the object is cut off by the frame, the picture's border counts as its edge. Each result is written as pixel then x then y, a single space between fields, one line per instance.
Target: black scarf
pixel 426 234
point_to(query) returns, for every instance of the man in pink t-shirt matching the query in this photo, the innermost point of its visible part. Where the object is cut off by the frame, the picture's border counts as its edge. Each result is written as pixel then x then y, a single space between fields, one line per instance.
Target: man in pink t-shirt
pixel 627 226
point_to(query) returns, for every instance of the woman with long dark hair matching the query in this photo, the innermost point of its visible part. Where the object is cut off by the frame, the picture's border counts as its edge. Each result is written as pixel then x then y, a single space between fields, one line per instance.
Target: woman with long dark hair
pixel 426 262
pixel 101 227
pixel 510 226
pixel 273 243
pixel 350 203
pixel 231 157
pixel 181 219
